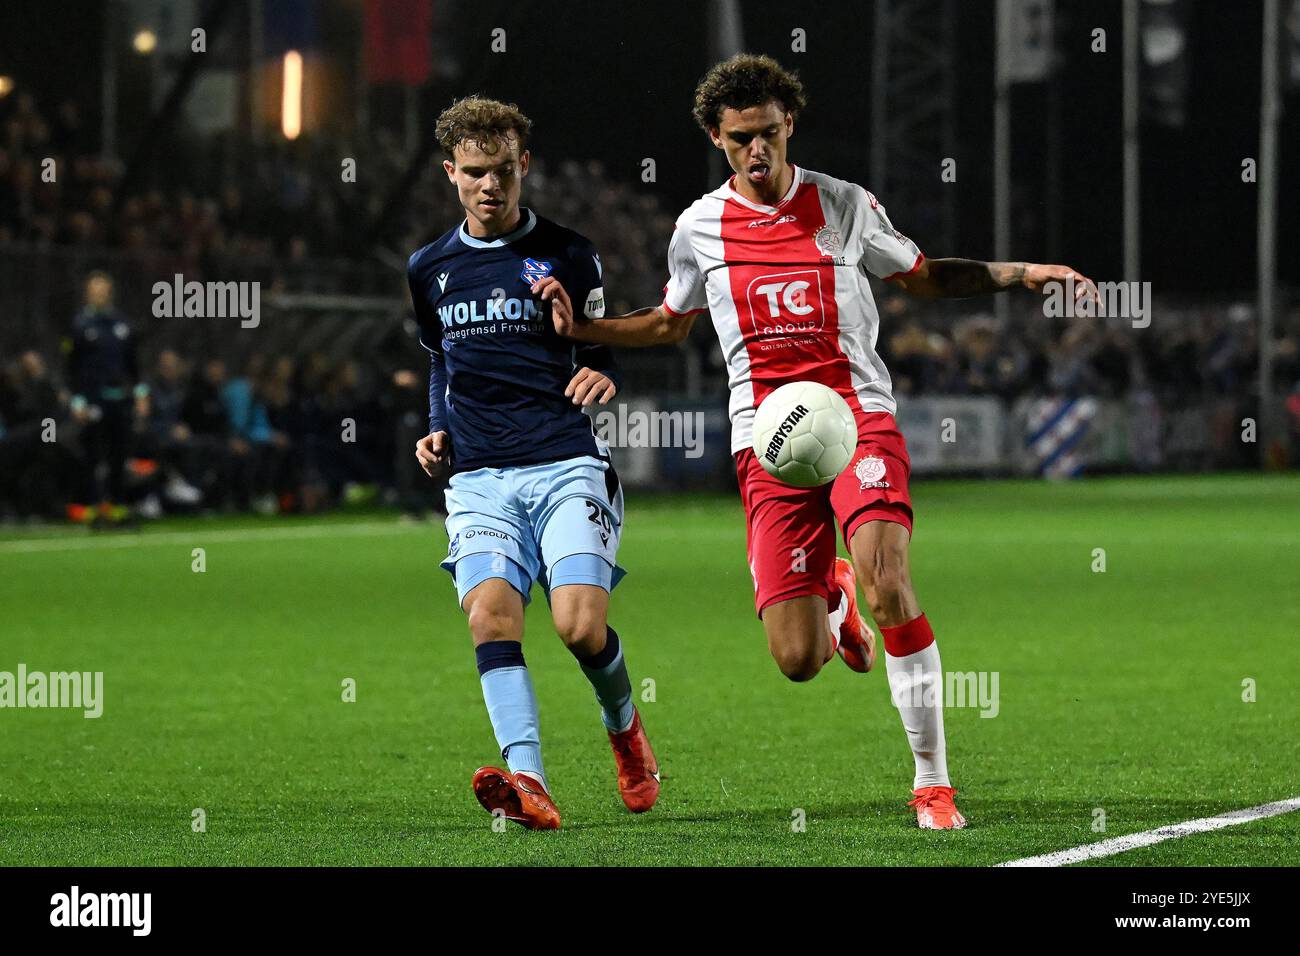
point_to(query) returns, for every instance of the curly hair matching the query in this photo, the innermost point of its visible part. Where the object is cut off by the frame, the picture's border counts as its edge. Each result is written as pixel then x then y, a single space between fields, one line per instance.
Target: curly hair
pixel 486 123
pixel 743 81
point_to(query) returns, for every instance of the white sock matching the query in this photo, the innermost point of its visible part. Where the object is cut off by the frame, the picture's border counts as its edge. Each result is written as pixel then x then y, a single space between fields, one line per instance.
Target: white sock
pixel 916 686
pixel 533 775
pixel 835 620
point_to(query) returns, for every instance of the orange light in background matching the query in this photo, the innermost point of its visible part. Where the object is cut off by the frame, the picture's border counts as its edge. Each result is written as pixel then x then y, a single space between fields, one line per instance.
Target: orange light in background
pixel 6 86
pixel 145 42
pixel 291 99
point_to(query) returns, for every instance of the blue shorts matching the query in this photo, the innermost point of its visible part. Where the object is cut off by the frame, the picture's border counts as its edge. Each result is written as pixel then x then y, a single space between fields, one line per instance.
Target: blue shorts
pixel 556 523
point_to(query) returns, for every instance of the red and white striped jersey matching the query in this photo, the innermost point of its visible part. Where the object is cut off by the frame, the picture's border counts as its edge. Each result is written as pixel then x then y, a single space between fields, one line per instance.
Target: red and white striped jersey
pixel 787 288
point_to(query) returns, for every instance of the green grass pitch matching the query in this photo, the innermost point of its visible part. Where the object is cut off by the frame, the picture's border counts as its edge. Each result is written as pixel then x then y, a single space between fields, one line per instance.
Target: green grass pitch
pixel 1119 691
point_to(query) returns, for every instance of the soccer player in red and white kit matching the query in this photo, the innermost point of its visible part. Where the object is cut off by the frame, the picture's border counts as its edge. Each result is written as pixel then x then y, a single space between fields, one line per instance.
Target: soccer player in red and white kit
pixel 779 255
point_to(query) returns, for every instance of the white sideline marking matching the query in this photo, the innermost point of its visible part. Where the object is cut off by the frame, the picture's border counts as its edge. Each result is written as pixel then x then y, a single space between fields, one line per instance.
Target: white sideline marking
pixel 201 537
pixel 1092 851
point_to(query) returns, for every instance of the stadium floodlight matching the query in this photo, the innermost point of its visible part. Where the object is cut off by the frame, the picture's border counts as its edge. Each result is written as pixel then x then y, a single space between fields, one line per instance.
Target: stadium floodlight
pixel 1164 61
pixel 145 42
pixel 291 97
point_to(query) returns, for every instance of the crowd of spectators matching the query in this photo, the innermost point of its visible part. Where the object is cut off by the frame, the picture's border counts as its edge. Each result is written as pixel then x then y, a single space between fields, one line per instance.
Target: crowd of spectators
pixel 101 436
pixel 287 203
pixel 262 430
pixel 1188 355
pixel 278 435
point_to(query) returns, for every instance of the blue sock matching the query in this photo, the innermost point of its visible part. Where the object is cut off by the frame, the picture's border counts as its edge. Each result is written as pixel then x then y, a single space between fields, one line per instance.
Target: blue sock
pixel 511 705
pixel 608 676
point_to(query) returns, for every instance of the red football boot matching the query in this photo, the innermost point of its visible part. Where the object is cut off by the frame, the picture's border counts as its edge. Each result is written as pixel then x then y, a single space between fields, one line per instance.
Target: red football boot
pixel 519 797
pixel 638 771
pixel 857 639
pixel 935 809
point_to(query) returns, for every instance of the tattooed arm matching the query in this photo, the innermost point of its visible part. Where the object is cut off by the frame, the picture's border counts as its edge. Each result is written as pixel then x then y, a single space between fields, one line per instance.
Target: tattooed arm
pixel 961 278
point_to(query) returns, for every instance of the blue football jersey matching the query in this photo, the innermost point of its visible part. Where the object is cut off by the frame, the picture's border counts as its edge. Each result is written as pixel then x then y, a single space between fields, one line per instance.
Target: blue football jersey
pixel 498 370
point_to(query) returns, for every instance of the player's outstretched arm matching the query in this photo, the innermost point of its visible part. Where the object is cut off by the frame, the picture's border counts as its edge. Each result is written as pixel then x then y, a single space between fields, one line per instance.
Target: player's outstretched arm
pixel 962 278
pixel 644 327
pixel 652 326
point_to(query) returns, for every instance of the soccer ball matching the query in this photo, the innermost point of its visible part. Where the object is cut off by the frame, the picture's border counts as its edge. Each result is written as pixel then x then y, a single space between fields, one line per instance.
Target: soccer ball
pixel 804 434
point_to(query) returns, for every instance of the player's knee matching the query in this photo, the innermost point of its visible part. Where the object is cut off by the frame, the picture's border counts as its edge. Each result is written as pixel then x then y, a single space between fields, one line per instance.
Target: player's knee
pixel 489 623
pixel 885 581
pixel 886 592
pixel 581 629
pixel 798 660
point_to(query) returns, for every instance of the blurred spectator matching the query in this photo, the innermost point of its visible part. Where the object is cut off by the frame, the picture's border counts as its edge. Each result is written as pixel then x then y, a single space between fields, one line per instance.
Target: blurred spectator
pixel 107 392
pixel 36 468
pixel 227 479
pixel 919 361
pixel 167 436
pixel 250 426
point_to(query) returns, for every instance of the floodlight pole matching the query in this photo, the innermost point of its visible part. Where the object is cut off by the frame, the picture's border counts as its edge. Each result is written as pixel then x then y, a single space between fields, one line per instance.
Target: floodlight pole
pixel 1132 154
pixel 256 50
pixel 1266 257
pixel 108 84
pixel 880 102
pixel 726 38
pixel 914 116
pixel 1002 148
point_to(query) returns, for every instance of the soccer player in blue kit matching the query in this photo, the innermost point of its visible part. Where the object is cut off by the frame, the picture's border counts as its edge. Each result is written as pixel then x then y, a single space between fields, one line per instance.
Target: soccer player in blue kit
pixel 533 494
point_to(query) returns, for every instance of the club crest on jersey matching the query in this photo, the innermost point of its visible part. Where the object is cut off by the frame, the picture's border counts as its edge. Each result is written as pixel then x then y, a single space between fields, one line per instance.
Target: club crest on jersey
pixel 870 471
pixel 829 241
pixel 534 269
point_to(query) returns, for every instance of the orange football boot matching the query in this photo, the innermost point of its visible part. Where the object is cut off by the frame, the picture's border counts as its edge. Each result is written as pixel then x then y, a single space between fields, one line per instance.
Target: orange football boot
pixel 638 771
pixel 935 809
pixel 519 797
pixel 857 639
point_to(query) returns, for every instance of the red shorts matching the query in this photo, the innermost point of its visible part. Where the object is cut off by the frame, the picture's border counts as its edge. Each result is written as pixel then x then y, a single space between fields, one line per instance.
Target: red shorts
pixel 791 531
